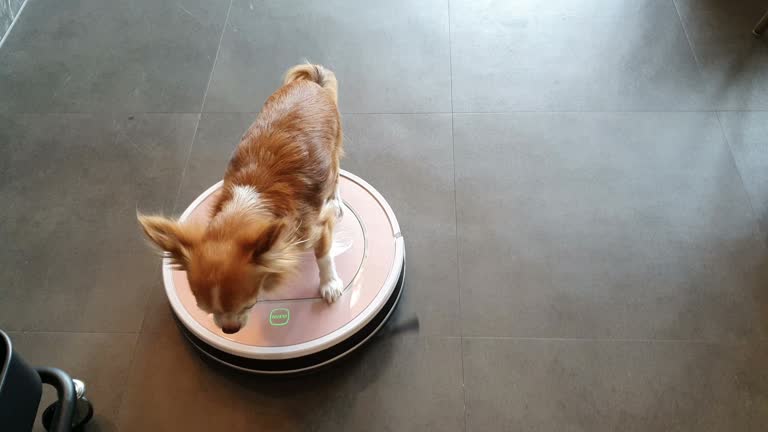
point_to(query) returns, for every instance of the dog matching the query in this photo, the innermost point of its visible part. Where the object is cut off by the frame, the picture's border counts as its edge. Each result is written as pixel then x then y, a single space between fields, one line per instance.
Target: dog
pixel 279 198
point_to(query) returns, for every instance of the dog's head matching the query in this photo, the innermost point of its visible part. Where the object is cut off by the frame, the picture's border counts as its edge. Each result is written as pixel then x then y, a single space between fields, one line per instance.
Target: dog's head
pixel 227 264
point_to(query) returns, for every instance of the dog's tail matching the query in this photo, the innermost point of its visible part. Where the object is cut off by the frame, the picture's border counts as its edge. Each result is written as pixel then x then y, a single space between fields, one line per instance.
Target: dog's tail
pixel 315 73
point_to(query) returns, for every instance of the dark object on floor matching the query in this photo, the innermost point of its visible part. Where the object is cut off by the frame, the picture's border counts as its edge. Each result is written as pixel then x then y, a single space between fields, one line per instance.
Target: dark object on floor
pixel 21 387
pixel 761 26
pixel 409 325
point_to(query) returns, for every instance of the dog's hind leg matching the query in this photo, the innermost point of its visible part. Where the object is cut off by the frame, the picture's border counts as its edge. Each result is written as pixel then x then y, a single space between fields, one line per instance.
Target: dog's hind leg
pixel 337 203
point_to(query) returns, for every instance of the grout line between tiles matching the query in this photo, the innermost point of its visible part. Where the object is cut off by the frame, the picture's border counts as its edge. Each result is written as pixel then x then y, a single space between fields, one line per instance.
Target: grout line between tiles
pixel 216 57
pixel 741 177
pixel 546 111
pixel 121 399
pixel 511 338
pixel 186 164
pixel 202 109
pixel 456 222
pixel 73 332
pixel 687 37
pixel 450 54
pixel 543 111
pixel 620 340
pixel 133 357
pixel 125 384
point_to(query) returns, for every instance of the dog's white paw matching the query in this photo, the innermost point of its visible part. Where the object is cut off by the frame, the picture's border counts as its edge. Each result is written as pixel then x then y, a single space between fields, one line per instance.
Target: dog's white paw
pixel 332 290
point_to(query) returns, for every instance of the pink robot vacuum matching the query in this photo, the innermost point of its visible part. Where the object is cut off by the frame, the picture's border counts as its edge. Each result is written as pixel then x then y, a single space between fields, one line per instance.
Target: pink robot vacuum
pixel 292 329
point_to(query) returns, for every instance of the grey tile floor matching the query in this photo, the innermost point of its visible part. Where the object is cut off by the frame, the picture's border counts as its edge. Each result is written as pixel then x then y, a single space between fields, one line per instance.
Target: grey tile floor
pixel 583 186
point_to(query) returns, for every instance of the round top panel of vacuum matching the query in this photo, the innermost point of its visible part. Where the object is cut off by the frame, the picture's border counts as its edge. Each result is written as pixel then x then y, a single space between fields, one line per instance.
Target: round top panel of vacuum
pixel 293 319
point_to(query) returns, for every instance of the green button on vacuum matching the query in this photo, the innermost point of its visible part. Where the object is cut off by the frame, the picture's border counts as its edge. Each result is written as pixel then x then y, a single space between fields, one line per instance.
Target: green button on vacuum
pixel 279 317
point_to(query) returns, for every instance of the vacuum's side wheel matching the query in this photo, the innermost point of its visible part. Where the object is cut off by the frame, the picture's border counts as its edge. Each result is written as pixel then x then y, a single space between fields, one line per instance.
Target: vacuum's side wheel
pixel 83 410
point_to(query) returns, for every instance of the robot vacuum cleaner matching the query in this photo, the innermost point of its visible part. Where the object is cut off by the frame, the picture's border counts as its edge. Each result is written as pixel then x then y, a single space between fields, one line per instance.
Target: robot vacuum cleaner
pixel 292 329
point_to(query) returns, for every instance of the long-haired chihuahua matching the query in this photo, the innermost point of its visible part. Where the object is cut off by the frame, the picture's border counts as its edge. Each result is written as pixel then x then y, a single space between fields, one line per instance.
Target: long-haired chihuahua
pixel 279 198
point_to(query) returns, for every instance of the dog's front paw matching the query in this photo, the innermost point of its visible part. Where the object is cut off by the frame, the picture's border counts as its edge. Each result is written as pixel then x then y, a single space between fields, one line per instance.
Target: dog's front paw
pixel 332 290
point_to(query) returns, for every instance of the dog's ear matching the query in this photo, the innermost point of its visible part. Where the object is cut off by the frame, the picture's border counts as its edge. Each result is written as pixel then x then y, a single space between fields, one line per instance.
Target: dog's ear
pixel 259 242
pixel 170 236
pixel 271 248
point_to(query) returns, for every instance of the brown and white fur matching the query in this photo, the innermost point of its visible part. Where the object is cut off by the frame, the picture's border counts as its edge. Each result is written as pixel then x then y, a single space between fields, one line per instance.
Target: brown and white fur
pixel 279 198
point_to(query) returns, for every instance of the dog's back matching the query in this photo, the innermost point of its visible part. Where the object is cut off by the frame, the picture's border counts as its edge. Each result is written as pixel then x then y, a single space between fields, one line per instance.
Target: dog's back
pixel 291 153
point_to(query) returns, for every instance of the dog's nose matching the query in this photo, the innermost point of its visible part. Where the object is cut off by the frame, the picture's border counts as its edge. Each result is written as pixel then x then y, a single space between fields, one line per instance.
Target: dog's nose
pixel 230 329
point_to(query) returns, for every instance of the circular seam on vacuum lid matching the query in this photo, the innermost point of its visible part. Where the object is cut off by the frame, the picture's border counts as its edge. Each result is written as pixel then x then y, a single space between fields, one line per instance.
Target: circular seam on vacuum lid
pixel 273 352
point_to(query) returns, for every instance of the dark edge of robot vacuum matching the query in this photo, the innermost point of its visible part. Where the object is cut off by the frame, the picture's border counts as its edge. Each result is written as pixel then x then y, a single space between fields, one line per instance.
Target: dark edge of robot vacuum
pixel 308 362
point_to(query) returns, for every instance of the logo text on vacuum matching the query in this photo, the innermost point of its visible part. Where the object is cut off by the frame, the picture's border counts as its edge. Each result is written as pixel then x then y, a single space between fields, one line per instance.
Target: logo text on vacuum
pixel 279 317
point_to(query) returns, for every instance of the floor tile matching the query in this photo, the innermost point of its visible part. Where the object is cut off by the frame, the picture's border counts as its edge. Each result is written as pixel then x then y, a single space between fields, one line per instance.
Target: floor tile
pixel 746 133
pixel 569 386
pixel 74 254
pixel 16 6
pixel 408 158
pixel 389 57
pixel 397 383
pixel 733 62
pixel 623 225
pixel 6 17
pixel 594 55
pixel 100 360
pixel 115 56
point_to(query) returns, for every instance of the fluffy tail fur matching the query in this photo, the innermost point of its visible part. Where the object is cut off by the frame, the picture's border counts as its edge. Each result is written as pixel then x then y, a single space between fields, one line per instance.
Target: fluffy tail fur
pixel 315 73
